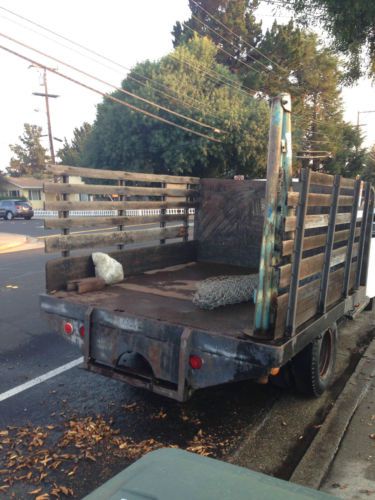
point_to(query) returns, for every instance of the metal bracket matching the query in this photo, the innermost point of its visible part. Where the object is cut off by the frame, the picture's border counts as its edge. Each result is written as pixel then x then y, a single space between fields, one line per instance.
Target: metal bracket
pixel 185 343
pixel 286 102
pixel 86 341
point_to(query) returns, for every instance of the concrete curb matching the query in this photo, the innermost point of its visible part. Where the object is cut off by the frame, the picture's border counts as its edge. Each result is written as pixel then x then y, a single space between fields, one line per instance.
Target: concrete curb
pixel 316 462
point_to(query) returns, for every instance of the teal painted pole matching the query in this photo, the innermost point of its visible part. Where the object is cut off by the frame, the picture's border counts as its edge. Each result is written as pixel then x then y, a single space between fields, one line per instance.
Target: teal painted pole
pixel 279 177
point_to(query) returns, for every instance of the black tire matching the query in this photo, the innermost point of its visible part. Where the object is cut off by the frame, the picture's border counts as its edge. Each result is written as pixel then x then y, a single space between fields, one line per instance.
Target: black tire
pixel 27 218
pixel 9 216
pixel 314 367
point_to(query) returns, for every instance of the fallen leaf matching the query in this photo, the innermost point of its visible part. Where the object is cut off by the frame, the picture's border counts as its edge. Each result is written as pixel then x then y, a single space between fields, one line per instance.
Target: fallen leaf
pixel 35 492
pixel 45 496
pixel 372 436
pixel 4 433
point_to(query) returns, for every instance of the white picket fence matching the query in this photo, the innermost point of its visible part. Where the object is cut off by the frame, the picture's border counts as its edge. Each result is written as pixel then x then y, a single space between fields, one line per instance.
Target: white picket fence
pixel 42 214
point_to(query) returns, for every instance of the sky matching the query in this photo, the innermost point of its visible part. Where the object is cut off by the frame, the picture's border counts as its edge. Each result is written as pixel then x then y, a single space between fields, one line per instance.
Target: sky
pixel 126 31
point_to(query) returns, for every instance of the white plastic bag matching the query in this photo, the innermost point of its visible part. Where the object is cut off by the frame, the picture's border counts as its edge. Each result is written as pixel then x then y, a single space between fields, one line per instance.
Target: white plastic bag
pixel 107 268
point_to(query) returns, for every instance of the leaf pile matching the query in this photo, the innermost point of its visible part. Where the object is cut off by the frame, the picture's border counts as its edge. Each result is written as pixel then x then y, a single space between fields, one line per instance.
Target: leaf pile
pixel 50 457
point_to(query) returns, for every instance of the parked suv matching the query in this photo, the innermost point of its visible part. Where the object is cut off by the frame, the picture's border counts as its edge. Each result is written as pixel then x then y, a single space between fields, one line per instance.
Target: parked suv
pixel 9 209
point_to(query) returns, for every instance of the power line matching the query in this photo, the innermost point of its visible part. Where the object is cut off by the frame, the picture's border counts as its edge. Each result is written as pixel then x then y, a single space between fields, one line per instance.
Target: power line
pixel 229 42
pixel 131 94
pixel 107 96
pixel 87 49
pixel 235 34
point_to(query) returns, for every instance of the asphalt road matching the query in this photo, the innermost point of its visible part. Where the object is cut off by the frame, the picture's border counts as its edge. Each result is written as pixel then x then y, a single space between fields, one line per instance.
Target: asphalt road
pixel 256 426
pixel 33 227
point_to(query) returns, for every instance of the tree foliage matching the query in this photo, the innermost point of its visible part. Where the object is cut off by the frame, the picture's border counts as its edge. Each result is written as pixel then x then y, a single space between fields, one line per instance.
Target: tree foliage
pixel 286 58
pixel 369 168
pixel 352 26
pixel 238 15
pixel 30 156
pixel 73 153
pixel 124 139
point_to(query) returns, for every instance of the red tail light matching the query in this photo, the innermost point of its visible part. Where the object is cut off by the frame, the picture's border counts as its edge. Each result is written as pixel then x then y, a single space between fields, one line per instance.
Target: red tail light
pixel 18 207
pixel 68 328
pixel 82 331
pixel 195 362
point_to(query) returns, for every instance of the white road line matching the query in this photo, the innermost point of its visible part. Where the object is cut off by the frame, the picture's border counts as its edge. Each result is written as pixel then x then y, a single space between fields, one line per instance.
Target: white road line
pixel 40 379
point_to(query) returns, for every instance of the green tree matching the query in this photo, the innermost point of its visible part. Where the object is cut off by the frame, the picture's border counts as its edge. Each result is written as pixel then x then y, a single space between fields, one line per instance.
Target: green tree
pixel 352 26
pixel 30 156
pixel 350 156
pixel 73 153
pixel 237 15
pixel 124 139
pixel 290 59
pixel 311 75
pixel 369 169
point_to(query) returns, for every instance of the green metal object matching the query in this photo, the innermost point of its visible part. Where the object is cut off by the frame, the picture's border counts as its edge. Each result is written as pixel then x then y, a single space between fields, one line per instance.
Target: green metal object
pixel 279 178
pixel 171 474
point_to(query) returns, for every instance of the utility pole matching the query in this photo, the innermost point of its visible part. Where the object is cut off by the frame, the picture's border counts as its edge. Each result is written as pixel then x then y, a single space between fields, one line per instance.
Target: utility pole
pixel 47 96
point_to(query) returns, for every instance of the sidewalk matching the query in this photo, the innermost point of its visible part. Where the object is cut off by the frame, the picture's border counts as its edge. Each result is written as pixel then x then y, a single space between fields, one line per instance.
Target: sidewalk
pixel 341 458
pixel 17 242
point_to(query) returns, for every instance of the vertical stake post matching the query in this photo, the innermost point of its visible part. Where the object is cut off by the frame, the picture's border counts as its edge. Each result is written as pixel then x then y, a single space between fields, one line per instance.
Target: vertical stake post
pixel 324 280
pixel 65 214
pixel 279 178
pixel 297 253
pixel 362 238
pixel 163 211
pixel 121 197
pixel 353 224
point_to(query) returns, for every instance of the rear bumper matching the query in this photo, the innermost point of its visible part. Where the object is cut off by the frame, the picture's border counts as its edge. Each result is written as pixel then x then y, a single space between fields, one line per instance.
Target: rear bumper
pixel 155 355
pixel 26 213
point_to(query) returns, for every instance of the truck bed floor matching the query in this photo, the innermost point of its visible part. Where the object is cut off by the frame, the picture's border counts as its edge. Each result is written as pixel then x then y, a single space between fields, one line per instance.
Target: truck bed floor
pixel 166 295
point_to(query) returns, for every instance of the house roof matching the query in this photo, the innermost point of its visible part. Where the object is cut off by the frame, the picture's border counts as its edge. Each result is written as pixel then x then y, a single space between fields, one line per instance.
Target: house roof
pixel 25 182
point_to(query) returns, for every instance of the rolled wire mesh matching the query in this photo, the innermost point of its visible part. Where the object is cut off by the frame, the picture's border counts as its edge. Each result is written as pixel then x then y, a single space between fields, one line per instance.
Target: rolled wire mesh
pixel 224 290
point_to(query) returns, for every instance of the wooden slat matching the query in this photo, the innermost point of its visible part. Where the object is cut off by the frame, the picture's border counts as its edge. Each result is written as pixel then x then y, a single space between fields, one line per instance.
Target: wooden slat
pixel 314 221
pixel 327 180
pixel 94 173
pixel 313 265
pixel 316 241
pixel 319 200
pixel 308 296
pixel 58 188
pixel 61 223
pixel 114 205
pixel 321 179
pixel 76 241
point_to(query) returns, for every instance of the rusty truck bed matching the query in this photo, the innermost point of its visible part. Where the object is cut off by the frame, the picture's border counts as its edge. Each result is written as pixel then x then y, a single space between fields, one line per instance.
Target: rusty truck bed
pixel 166 295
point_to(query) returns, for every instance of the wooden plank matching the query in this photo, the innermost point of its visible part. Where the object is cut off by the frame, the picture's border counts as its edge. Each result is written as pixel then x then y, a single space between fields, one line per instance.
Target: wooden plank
pixel 308 297
pixel 98 173
pixel 313 265
pixel 321 200
pixel 76 241
pixel 58 188
pixel 115 205
pixel 314 221
pixel 125 220
pixel 85 285
pixel 134 261
pixel 317 241
pixel 321 179
pixel 327 180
